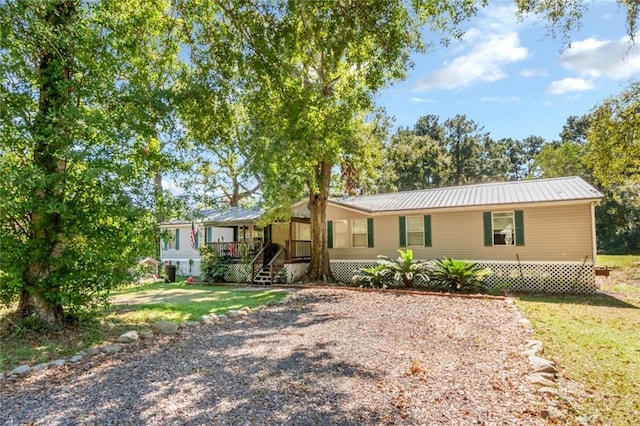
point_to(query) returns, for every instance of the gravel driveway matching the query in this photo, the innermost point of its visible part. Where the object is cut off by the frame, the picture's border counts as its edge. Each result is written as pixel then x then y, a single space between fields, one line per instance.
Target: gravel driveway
pixel 325 357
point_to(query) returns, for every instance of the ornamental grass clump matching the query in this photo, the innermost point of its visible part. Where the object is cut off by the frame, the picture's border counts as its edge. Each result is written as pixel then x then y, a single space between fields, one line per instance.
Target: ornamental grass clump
pixel 458 276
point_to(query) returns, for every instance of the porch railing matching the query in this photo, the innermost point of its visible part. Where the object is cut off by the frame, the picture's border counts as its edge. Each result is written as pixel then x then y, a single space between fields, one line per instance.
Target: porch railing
pixel 236 250
pixel 298 249
pixel 259 261
pixel 276 264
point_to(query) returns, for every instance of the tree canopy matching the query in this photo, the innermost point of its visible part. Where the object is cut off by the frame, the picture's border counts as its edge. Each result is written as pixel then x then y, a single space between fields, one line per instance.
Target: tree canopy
pixel 76 155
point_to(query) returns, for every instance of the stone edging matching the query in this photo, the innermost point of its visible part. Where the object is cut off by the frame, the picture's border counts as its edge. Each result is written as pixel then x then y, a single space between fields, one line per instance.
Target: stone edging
pixel 543 371
pixel 159 328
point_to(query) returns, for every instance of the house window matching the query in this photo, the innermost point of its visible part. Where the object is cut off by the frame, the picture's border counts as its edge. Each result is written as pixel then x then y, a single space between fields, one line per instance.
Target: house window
pixel 173 240
pixel 359 232
pixel 340 234
pixel 415 231
pixel 503 229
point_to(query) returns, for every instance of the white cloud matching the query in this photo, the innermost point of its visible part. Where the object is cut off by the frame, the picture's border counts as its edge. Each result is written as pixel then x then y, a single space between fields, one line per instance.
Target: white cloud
pixel 530 72
pixel 569 85
pixel 484 62
pixel 486 49
pixel 501 99
pixel 421 100
pixel 593 58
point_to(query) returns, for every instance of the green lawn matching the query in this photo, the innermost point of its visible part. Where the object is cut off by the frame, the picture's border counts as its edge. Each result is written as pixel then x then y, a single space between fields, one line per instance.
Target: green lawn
pixel 616 261
pixel 594 338
pixel 133 308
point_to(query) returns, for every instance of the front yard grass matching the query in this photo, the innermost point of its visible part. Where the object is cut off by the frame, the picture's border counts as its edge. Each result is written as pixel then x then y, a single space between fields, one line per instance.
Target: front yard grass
pixel 132 308
pixel 594 338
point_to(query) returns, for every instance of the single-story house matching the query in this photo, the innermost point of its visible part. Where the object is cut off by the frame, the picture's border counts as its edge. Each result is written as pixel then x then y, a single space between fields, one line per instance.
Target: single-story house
pixel 252 253
pixel 536 235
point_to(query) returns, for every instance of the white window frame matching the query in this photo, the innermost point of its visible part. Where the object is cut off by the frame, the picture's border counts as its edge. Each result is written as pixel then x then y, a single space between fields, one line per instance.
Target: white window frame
pixel 340 239
pixel 407 232
pixel 354 234
pixel 508 235
pixel 171 244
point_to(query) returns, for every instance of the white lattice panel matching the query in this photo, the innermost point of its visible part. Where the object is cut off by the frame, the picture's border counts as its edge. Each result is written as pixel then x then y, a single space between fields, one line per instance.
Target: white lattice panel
pixel 237 273
pixel 295 271
pixel 528 277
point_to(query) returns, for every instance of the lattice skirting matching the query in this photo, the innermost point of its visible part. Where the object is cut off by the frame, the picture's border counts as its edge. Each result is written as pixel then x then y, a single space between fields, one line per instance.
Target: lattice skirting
pixel 295 271
pixel 182 267
pixel 553 277
pixel 237 273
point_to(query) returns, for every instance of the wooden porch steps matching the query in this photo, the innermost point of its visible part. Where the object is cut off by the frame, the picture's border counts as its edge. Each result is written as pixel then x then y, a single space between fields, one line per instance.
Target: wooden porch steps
pixel 264 277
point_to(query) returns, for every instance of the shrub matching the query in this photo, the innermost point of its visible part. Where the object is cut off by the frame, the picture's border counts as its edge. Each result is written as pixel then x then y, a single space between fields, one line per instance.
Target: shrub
pixel 371 277
pixel 458 276
pixel 212 267
pixel 405 268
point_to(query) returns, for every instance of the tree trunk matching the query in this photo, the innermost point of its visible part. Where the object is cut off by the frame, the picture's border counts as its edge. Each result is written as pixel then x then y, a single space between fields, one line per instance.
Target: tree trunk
pixel 51 142
pixel 159 201
pixel 319 269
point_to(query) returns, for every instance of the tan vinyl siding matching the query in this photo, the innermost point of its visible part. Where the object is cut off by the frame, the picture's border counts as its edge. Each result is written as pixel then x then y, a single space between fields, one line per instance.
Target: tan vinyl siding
pixel 279 233
pixel 552 233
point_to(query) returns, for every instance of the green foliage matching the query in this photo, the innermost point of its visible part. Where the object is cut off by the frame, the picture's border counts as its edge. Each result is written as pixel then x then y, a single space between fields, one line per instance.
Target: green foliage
pixel 74 117
pixel 212 267
pixel 458 276
pixel 613 150
pixel 404 268
pixel 372 277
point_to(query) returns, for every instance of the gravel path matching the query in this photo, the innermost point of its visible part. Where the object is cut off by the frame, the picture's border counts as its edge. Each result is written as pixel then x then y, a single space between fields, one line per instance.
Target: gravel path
pixel 326 357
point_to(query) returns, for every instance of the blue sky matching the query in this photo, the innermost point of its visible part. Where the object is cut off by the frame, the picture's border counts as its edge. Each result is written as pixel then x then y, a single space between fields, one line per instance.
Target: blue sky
pixel 513 78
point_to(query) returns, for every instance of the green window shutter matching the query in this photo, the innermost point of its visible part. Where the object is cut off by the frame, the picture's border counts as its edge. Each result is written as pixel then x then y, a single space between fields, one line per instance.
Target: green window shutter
pixel 519 214
pixel 235 233
pixel 209 237
pixel 165 244
pixel 329 234
pixel 177 239
pixel 370 232
pixel 197 240
pixel 427 230
pixel 488 229
pixel 402 225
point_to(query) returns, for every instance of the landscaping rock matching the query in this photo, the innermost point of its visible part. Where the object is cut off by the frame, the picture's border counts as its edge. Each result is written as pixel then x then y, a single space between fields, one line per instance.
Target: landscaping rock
pixel 232 313
pixel 552 413
pixel 541 365
pixel 40 367
pixel 535 345
pixel 111 349
pixel 90 351
pixel 538 379
pixel 146 334
pixel 128 337
pixel 21 370
pixel 548 390
pixel 223 317
pixel 209 319
pixel 192 323
pixel 59 362
pixel 165 327
pixel 76 358
pixel 271 302
pixel 245 310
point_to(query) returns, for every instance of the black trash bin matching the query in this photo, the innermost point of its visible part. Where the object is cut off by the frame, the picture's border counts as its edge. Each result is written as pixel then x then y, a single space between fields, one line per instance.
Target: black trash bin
pixel 170 272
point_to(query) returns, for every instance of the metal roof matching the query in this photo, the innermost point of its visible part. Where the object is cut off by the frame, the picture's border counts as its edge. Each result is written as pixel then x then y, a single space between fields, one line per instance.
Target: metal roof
pixel 519 192
pixel 228 216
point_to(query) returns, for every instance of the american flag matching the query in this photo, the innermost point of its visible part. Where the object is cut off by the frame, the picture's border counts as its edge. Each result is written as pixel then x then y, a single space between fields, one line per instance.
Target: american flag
pixel 194 234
